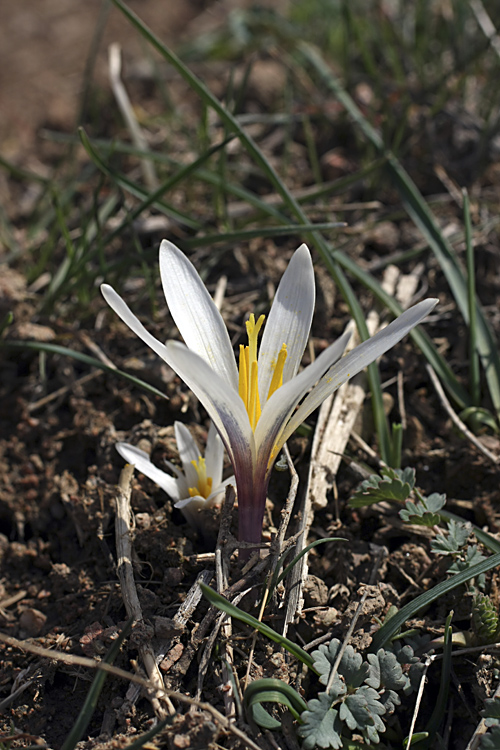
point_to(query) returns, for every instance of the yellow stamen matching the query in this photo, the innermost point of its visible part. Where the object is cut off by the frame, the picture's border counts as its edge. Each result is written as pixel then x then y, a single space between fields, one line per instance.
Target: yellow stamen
pixel 243 376
pixel 204 487
pixel 248 376
pixel 277 379
pixel 253 407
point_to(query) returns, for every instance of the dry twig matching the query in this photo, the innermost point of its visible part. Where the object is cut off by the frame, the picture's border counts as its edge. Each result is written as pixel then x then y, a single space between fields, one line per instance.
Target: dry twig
pixel 127 582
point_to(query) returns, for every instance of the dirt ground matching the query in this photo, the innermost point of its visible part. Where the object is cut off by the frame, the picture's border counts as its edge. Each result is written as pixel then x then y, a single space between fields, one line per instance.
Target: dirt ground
pixel 60 420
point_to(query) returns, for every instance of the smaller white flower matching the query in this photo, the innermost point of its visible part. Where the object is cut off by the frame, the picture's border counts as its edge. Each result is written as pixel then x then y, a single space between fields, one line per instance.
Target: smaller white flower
pixel 199 484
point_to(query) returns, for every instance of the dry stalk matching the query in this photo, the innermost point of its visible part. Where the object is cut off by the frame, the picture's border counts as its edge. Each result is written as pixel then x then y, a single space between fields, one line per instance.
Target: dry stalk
pixel 127 583
pixel 456 419
pixel 276 548
pixel 222 559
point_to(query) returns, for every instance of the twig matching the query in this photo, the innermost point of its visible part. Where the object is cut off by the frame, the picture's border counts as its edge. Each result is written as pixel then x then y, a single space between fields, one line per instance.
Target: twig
pixel 225 623
pixel 128 588
pixel 346 641
pixel 123 101
pixel 486 24
pixel 456 419
pixel 276 550
pixel 63 390
pixel 220 292
pixel 428 661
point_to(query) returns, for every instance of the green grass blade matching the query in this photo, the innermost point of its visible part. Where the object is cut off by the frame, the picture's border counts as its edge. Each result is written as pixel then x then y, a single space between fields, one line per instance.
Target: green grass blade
pixel 249 234
pixel 385 633
pixel 474 374
pixel 224 605
pixel 271 690
pixel 134 189
pixel 90 704
pixel 6 321
pixel 444 685
pixel 39 346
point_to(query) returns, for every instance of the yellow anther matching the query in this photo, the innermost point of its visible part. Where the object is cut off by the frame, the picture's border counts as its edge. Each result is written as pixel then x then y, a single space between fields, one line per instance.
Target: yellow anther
pixel 277 379
pixel 253 329
pixel 204 487
pixel 253 407
pixel 243 375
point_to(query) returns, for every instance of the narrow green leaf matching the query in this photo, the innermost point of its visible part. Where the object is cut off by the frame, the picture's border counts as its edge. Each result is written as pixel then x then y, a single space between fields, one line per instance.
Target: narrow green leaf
pixel 6 321
pixel 40 346
pixel 385 633
pixel 135 189
pixel 224 605
pixel 270 690
pixel 474 375
pixel 444 684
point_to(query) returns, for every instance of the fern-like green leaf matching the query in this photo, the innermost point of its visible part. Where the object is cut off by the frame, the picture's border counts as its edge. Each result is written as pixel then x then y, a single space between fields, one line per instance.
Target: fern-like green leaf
pixel 392 484
pixel 452 543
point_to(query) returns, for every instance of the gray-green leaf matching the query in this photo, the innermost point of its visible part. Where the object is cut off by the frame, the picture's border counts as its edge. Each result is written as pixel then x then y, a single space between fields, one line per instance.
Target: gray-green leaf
pixel 321 727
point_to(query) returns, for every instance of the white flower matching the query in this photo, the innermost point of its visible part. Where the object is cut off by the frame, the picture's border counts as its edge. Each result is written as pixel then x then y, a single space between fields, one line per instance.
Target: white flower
pixel 257 406
pixel 199 484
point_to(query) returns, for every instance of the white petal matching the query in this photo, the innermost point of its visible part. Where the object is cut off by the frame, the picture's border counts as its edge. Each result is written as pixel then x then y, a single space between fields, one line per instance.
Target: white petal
pixel 121 308
pixel 197 502
pixel 279 407
pixel 175 469
pixel 195 314
pixel 215 497
pixel 142 462
pixel 357 360
pixel 214 455
pixel 188 452
pixel 223 405
pixel 289 320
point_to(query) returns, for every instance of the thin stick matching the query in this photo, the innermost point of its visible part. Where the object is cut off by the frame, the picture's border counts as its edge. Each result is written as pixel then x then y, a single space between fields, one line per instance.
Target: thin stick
pixel 486 24
pixel 221 573
pixel 456 419
pixel 127 582
pixel 427 663
pixel 123 101
pixel 276 550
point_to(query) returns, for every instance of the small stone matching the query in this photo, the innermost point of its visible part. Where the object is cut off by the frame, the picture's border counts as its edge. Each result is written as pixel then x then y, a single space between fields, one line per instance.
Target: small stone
pixel 315 592
pixel 166 627
pixel 32 621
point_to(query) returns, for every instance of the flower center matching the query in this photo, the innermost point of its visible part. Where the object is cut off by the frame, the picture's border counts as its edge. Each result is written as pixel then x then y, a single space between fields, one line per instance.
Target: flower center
pixel 248 386
pixel 204 486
